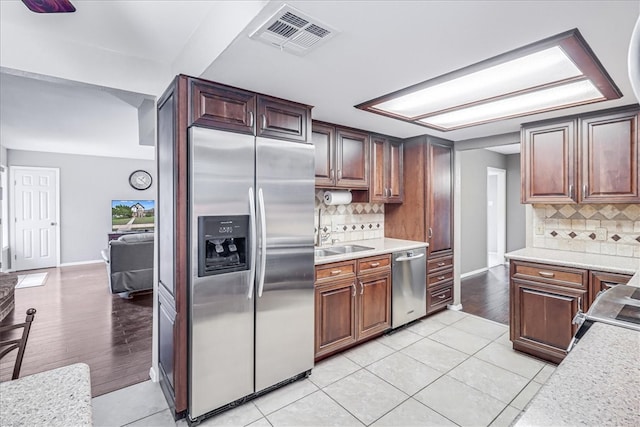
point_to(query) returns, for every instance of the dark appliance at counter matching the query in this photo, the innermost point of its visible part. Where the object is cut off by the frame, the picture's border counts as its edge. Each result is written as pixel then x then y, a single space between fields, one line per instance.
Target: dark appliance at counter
pixel 618 306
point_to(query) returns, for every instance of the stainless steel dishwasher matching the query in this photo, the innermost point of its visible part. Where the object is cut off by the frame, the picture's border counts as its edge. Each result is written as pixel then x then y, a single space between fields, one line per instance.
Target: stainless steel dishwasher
pixel 409 287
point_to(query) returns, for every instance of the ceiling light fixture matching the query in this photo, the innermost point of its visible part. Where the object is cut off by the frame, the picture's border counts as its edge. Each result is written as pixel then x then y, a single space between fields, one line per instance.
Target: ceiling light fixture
pixel 554 73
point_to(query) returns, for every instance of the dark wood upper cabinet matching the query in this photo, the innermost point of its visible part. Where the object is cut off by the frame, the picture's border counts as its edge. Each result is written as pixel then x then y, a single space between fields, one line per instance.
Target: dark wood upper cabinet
pixel 440 198
pixel 426 212
pixel 324 144
pixel 548 163
pixel 386 170
pixel 217 106
pixel 609 151
pixel 352 158
pixel 282 119
pixel 586 159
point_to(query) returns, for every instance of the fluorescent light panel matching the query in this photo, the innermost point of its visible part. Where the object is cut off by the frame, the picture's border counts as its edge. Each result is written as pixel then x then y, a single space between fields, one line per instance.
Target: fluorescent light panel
pixel 547 76
pixel 541 100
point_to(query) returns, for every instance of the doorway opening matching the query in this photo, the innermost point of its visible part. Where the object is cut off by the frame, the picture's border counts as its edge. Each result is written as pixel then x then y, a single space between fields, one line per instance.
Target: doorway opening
pixel 496 216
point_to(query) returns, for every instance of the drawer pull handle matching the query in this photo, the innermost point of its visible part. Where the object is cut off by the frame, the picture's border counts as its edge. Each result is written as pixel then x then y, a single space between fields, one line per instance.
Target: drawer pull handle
pixel 334 272
pixel 353 287
pixel 443 296
pixel 361 287
pixel 546 274
pixel 441 277
pixel 441 264
pixel 374 264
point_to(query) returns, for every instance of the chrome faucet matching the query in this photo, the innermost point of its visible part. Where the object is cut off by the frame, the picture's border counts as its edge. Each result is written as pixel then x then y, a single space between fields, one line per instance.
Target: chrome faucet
pixel 321 236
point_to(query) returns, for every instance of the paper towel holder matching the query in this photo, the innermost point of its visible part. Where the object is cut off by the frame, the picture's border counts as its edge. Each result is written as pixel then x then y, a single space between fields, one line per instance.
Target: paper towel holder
pixel 341 197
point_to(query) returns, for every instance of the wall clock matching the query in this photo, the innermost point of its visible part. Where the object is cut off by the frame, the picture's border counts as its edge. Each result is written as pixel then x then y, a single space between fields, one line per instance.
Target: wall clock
pixel 140 180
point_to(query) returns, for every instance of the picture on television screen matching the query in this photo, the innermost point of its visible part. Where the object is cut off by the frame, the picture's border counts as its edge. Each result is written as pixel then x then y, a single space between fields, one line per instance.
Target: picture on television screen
pixel 133 215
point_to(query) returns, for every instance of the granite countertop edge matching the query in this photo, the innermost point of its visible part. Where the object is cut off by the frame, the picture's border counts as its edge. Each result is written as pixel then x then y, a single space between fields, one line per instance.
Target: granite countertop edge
pixel 381 246
pixel 606 263
pixel 598 383
pixel 58 397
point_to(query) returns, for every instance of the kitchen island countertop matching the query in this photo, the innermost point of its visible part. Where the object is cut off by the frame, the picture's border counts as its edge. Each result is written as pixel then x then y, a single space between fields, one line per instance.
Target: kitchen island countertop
pixel 379 246
pixel 597 384
pixel 608 263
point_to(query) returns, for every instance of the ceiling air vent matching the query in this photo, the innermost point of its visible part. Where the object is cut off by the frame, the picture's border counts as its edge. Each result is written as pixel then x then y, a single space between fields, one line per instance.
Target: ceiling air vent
pixel 293 31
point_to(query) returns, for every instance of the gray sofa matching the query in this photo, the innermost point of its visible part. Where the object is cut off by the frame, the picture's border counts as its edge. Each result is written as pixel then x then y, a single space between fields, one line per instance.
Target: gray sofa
pixel 129 261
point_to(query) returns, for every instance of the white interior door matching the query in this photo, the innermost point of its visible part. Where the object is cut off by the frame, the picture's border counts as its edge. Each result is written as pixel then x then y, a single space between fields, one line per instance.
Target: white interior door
pixel 496 216
pixel 35 208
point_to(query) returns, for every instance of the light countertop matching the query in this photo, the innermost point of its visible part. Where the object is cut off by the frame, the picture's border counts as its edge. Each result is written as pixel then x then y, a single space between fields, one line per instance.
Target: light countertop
pixel 608 263
pixel 378 247
pixel 59 397
pixel 597 384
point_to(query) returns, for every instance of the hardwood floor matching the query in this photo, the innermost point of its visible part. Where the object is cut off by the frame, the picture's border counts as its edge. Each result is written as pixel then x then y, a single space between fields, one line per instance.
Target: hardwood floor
pixel 79 320
pixel 487 294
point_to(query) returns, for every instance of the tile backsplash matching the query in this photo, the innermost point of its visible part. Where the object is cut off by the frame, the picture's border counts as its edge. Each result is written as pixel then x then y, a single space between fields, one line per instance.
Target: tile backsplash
pixel 602 229
pixel 345 223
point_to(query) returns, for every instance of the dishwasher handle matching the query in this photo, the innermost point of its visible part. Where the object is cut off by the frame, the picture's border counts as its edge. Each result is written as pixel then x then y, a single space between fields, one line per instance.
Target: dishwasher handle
pixel 409 258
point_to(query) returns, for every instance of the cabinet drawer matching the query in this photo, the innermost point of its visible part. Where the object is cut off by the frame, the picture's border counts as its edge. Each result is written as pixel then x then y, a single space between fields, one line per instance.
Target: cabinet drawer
pixel 439 277
pixel 439 296
pixel 374 263
pixel 551 274
pixel 337 270
pixel 439 263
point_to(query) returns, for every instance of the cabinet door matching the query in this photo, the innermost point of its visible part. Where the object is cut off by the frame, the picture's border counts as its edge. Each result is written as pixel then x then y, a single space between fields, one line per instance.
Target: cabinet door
pixel 609 152
pixel 379 170
pixel 282 119
pixel 335 308
pixel 440 199
pixel 541 318
pixel 548 163
pixel 395 172
pixel 222 107
pixel 601 281
pixel 352 158
pixel 374 304
pixel 324 144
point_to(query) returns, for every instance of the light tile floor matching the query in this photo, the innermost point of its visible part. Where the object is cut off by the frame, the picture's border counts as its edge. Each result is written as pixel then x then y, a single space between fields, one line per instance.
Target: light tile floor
pixel 449 369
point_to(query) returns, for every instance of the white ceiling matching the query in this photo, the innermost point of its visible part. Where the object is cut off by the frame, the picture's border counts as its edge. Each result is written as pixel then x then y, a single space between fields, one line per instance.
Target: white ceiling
pixel 505 149
pixel 383 46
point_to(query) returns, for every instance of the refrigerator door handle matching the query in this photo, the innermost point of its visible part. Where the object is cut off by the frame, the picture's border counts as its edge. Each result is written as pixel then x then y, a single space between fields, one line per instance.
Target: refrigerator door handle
pixel 252 238
pixel 263 242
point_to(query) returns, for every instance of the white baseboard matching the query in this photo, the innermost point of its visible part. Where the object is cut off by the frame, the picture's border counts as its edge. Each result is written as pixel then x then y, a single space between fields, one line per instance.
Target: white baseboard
pixel 471 273
pixel 456 307
pixel 153 375
pixel 68 264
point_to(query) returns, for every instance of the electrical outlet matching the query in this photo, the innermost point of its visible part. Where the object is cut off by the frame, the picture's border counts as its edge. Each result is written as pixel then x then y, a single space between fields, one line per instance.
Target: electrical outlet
pixel 540 229
pixel 601 233
pixel 335 227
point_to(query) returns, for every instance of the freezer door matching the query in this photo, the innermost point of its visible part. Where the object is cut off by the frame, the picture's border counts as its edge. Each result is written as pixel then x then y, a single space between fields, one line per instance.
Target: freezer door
pixel 221 345
pixel 284 300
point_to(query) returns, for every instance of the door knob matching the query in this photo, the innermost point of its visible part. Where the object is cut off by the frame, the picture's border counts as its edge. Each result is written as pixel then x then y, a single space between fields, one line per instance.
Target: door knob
pixel 54 223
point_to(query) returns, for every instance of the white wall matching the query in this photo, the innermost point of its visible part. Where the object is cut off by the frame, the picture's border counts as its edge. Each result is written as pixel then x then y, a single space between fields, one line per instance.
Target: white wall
pixel 87 186
pixel 516 217
pixel 473 206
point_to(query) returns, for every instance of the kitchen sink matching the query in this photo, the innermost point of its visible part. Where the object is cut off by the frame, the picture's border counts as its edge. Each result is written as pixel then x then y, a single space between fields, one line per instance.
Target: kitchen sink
pixel 347 249
pixel 325 252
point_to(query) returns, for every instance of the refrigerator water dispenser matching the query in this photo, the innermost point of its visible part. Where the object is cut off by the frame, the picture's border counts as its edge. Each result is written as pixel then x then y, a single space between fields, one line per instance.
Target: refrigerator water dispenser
pixel 222 244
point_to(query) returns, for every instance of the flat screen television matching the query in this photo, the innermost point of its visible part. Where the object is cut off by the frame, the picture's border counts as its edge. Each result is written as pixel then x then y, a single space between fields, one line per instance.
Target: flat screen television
pixel 133 215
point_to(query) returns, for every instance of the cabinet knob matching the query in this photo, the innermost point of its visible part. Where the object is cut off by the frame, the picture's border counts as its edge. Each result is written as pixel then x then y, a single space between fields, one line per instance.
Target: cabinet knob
pixel 353 287
pixel 430 235
pixel 250 119
pixel 361 288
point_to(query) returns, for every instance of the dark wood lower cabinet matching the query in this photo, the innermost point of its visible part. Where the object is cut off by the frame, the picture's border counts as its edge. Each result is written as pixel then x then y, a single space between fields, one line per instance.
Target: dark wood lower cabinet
pixel 543 323
pixel 348 308
pixel 439 296
pixel 335 316
pixel 374 311
pixel 544 299
pixel 601 281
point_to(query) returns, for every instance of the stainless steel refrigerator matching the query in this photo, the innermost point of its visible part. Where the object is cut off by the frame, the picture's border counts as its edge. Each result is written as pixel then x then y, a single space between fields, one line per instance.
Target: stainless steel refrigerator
pixel 251 203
